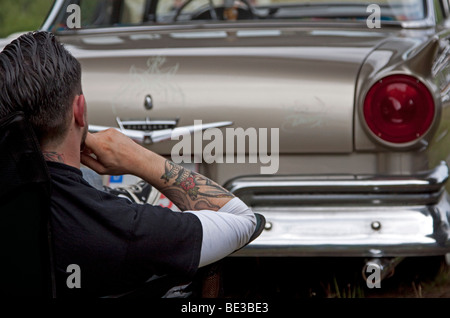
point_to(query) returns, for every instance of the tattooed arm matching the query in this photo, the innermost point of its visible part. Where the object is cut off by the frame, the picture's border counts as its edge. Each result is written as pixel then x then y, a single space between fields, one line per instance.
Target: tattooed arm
pixel 117 154
pixel 192 191
pixel 223 232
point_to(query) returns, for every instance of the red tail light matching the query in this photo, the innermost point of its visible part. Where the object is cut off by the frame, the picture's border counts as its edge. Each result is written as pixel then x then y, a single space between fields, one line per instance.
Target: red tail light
pixel 399 109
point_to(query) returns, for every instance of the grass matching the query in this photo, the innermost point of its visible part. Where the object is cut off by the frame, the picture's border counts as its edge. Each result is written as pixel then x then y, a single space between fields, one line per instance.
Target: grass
pixel 302 278
pixel 22 15
pixel 425 282
pixel 349 290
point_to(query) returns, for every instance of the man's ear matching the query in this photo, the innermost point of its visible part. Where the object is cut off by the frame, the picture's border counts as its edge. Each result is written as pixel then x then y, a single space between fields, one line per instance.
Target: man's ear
pixel 79 105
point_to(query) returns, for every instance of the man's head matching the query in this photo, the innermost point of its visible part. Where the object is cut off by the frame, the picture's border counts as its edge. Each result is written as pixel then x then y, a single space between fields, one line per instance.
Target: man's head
pixel 41 78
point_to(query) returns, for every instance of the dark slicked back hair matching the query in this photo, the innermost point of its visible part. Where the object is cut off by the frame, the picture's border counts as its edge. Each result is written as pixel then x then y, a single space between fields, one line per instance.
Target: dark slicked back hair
pixel 41 78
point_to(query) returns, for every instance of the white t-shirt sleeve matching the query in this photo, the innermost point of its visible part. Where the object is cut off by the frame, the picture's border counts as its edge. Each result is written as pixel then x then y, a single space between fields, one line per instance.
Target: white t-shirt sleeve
pixel 225 231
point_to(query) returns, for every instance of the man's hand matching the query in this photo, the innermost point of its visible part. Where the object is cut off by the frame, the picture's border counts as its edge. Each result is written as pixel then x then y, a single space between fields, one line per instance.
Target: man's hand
pixel 111 152
pixel 117 154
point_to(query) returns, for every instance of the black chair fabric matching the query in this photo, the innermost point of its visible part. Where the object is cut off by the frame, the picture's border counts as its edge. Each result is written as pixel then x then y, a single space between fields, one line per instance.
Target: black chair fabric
pixel 25 188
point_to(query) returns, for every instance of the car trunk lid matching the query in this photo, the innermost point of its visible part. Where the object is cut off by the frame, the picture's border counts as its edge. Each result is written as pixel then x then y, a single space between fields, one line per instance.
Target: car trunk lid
pixel 298 80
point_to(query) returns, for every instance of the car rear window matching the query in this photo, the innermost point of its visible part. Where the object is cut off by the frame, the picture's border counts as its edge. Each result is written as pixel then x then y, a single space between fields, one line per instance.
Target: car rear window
pixel 113 13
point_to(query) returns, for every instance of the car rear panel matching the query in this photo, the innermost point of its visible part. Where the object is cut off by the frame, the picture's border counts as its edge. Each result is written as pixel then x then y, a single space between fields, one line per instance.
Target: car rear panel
pixel 299 80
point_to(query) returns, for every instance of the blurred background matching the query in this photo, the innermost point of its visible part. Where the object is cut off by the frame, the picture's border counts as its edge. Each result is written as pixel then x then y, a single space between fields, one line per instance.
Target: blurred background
pixel 22 15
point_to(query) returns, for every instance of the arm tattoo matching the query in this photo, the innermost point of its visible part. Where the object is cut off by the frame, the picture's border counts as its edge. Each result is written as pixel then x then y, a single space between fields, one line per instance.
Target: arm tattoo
pixel 53 156
pixel 190 190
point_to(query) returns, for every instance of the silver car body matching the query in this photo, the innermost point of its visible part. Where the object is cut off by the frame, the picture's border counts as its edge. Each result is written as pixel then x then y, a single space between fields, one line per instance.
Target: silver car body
pixel 339 190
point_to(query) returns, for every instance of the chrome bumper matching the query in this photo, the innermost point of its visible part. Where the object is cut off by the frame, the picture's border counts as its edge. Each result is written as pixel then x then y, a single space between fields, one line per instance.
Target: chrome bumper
pixel 349 215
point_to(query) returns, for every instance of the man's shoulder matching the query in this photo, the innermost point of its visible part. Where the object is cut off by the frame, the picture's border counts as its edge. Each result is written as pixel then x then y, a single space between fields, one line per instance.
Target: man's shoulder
pixel 62 169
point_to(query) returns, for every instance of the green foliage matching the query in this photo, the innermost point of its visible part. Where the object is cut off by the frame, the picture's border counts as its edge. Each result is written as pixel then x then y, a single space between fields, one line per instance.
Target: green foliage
pixel 22 15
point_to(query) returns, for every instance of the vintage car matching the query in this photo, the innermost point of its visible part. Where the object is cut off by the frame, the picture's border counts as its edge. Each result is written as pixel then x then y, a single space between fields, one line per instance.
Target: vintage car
pixel 330 118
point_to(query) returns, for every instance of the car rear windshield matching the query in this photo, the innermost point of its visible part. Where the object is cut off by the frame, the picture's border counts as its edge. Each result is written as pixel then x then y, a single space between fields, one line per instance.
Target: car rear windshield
pixel 112 13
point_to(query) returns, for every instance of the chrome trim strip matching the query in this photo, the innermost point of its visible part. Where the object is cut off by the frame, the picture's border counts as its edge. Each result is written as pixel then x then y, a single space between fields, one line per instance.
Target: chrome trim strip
pixel 155 136
pixel 422 188
pixel 221 26
pixel 52 16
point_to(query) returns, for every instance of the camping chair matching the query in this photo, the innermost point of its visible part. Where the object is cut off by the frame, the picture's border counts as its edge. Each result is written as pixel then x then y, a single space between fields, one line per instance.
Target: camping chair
pixel 26 261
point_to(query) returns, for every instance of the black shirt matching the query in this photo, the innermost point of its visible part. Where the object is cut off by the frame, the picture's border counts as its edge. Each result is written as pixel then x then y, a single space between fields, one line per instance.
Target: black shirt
pixel 117 244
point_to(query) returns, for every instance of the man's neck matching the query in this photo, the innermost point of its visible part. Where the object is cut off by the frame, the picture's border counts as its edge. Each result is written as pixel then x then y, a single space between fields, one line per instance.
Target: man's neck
pixel 67 151
pixel 66 155
pixel 53 156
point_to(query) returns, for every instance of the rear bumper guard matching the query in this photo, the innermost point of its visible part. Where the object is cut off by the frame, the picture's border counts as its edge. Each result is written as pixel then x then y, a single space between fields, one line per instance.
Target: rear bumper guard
pixel 344 215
